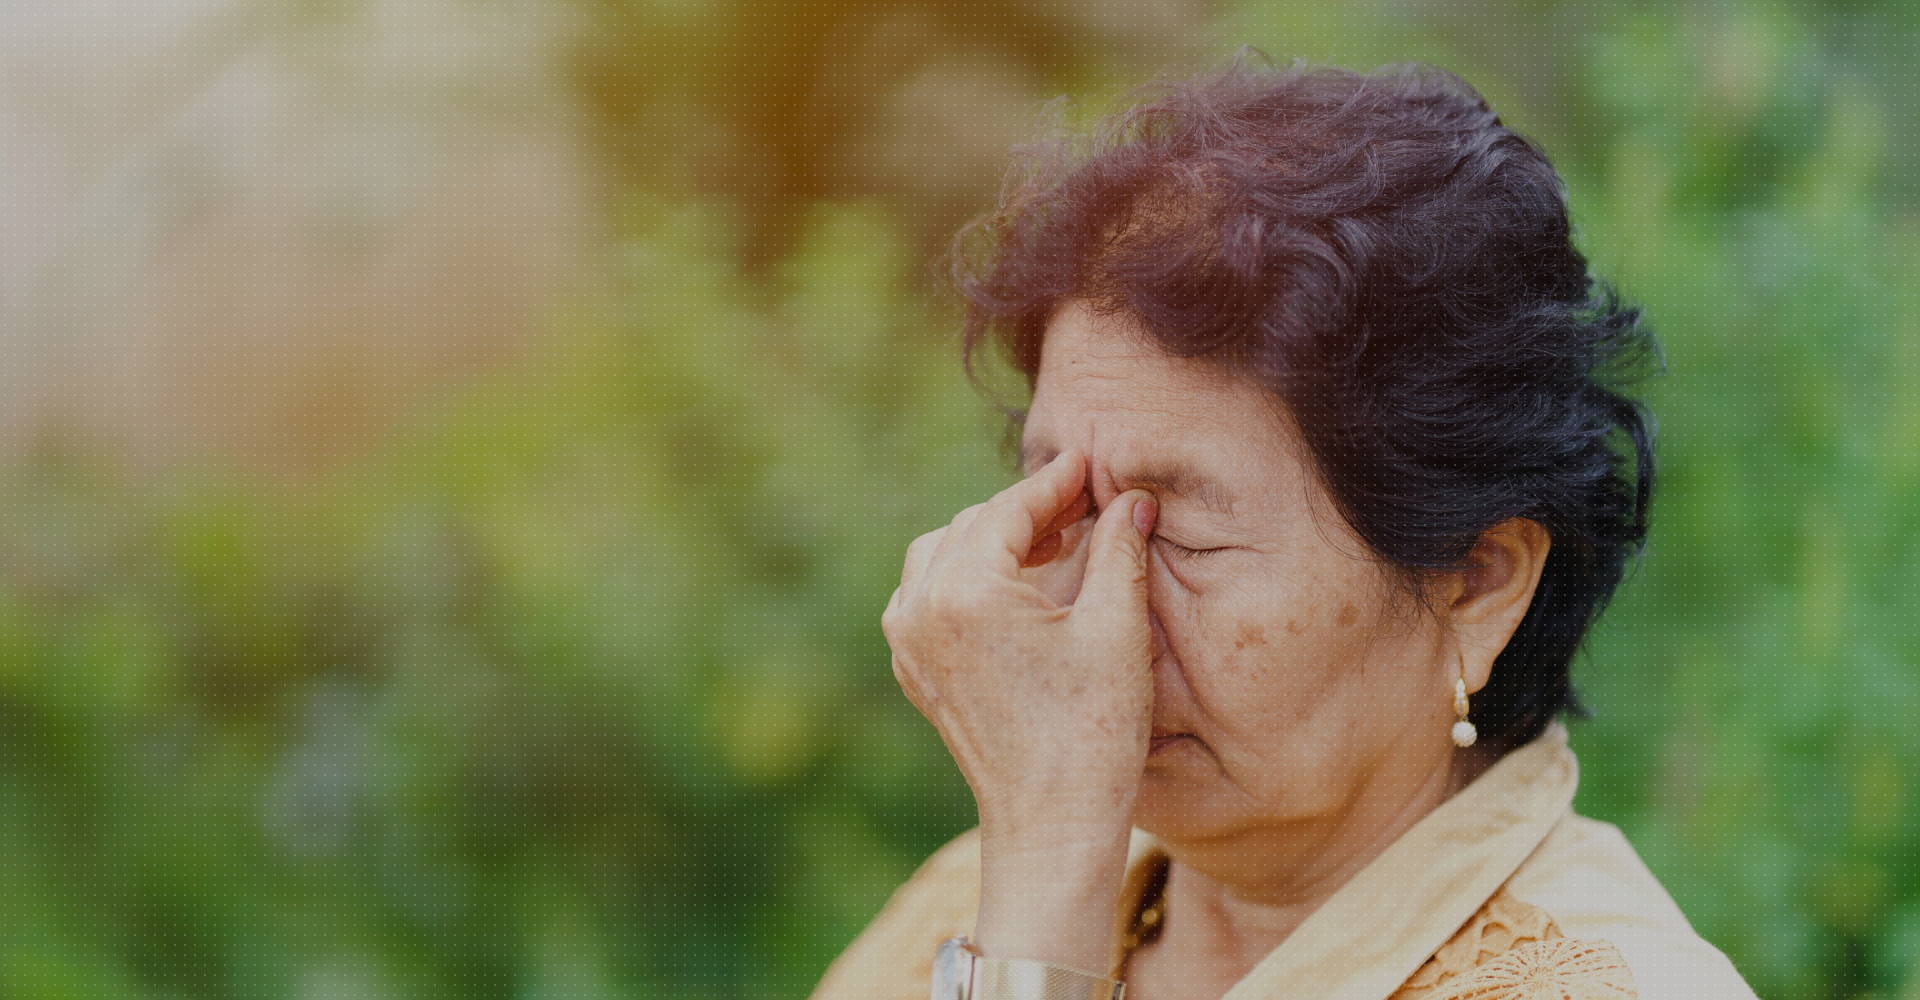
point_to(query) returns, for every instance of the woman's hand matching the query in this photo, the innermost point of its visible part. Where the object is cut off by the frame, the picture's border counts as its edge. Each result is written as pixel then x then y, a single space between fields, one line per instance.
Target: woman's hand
pixel 1041 685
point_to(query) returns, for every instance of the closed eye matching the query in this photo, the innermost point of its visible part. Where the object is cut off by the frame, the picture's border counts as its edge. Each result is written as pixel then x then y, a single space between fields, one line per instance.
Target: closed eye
pixel 1182 551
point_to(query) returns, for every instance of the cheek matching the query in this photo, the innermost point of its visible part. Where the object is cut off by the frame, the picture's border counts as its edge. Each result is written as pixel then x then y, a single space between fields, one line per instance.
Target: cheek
pixel 1244 651
pixel 1199 625
pixel 1187 603
pixel 1256 640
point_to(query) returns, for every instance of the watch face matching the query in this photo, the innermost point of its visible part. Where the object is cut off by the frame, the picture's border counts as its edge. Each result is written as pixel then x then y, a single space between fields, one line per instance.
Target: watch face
pixel 952 971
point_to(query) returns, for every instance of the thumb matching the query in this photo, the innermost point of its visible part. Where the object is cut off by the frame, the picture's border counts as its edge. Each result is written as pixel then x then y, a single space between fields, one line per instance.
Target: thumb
pixel 1114 591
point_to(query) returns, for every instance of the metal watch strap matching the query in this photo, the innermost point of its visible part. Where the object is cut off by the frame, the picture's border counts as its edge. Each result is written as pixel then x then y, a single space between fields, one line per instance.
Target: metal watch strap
pixel 960 973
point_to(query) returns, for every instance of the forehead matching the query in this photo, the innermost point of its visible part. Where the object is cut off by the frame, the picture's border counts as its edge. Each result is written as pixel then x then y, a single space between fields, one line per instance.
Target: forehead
pixel 1158 420
pixel 1083 347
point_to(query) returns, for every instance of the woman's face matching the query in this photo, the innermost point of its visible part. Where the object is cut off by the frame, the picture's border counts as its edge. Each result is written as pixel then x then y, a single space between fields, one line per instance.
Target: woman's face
pixel 1290 684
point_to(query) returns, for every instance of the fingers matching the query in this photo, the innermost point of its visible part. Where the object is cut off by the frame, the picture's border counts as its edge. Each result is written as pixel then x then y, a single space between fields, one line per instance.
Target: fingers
pixel 1032 509
pixel 920 554
pixel 1115 586
pixel 1080 506
pixel 1043 552
pixel 1061 535
pixel 1000 536
pixel 1058 578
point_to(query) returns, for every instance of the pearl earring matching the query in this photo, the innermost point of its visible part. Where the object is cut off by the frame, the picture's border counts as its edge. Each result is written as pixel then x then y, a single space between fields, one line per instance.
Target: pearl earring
pixel 1463 732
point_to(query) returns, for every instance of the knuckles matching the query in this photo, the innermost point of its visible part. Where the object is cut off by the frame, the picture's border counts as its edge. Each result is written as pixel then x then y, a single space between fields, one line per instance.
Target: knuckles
pixel 927 543
pixel 937 607
pixel 920 553
pixel 947 608
pixel 893 620
pixel 964 605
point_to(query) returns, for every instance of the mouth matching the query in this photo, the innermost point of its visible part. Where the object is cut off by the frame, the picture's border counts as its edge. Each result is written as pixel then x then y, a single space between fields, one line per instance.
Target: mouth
pixel 1160 742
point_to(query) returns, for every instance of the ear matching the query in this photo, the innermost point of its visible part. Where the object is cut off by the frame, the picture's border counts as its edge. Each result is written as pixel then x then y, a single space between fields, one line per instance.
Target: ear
pixel 1493 592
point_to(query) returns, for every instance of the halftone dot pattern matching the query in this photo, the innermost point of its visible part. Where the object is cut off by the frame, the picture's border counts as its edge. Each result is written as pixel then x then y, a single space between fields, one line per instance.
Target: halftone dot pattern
pixel 454 458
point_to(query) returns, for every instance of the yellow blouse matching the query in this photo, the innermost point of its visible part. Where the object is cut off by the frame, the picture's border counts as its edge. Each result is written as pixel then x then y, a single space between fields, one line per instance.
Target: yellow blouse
pixel 1500 892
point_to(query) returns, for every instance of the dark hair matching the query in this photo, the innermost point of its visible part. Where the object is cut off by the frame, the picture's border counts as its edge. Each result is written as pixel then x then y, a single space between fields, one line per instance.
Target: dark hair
pixel 1397 266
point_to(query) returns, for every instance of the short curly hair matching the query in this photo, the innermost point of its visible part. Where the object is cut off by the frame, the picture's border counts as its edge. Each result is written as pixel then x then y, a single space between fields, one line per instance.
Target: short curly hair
pixel 1397 266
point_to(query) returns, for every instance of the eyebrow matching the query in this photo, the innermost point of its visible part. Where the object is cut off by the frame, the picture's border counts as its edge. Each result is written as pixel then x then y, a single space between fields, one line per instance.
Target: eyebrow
pixel 1176 479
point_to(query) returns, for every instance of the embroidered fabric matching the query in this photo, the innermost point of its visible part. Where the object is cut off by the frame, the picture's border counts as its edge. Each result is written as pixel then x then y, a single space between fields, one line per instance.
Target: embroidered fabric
pixel 1512 950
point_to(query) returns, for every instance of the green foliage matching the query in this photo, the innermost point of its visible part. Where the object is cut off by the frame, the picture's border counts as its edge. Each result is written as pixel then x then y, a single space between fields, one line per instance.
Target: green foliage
pixel 576 687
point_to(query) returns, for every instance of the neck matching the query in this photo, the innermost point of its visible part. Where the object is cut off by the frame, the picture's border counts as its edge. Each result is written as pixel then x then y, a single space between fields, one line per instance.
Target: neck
pixel 1237 896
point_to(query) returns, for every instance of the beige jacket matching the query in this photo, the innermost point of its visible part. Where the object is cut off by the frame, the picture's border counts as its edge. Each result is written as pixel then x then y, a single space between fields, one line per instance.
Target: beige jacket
pixel 1500 892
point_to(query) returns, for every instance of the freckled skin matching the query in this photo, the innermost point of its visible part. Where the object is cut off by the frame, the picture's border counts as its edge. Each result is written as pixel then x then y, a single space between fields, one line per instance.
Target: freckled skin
pixel 1122 674
pixel 1291 736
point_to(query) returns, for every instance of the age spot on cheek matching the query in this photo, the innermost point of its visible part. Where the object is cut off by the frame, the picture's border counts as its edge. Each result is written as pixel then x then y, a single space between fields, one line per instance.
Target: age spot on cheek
pixel 1253 635
pixel 1293 627
pixel 1348 615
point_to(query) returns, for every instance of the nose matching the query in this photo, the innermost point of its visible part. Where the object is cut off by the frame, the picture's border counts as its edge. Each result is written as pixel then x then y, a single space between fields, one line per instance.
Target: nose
pixel 1101 491
pixel 1168 684
pixel 1100 484
pixel 1160 646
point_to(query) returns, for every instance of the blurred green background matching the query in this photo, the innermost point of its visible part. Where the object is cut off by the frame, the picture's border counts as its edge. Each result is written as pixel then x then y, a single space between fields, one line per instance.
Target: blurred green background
pixel 407 595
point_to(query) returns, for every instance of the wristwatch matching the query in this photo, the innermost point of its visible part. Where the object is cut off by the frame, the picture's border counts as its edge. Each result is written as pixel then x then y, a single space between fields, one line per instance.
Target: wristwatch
pixel 961 973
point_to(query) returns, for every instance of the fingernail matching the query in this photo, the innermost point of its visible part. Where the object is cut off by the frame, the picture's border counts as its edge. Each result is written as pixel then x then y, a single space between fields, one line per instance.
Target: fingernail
pixel 1145 511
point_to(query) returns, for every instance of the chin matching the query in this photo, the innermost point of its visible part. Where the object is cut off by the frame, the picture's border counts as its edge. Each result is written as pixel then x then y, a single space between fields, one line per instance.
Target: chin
pixel 1178 807
pixel 1176 824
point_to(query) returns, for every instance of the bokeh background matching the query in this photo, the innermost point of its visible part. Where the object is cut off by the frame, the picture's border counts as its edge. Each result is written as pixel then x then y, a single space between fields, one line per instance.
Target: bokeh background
pixel 453 456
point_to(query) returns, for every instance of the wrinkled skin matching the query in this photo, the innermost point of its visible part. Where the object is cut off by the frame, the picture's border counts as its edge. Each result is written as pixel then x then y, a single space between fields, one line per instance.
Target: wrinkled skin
pixel 1241 680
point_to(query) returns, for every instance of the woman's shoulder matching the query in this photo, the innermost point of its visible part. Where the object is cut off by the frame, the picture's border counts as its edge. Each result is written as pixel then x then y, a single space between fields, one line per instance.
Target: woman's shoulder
pixel 1592 883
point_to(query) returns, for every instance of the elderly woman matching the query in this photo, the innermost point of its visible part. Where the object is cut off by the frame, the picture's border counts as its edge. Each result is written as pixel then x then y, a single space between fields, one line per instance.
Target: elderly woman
pixel 1254 676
